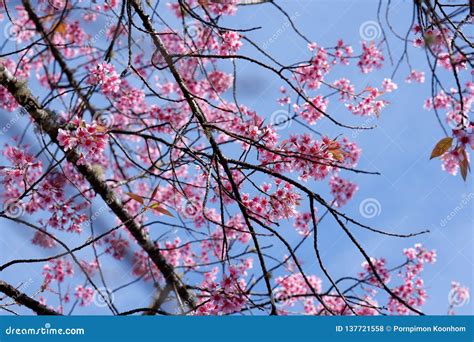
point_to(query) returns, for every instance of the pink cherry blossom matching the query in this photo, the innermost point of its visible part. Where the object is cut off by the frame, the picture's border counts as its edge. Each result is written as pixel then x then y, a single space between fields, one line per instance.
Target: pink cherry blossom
pixel 145 151
pixel 371 58
pixel 105 76
pixel 415 76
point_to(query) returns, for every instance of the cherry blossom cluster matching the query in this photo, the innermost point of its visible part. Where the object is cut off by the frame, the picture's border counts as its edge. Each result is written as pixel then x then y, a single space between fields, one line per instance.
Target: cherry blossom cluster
pixel 371 58
pixel 63 214
pixel 85 294
pixel 57 270
pixel 455 117
pixel 274 205
pixel 227 7
pixel 458 118
pixel 313 112
pixel 433 37
pixel 380 269
pixel 415 76
pixel 343 52
pixel 149 139
pixel 105 76
pixel 370 103
pixel 230 43
pixel 235 230
pixel 342 190
pixel 295 289
pixel 175 252
pixel 89 138
pixel 366 102
pixel 412 290
pixel 438 41
pixel 23 171
pixel 311 158
pixel 302 223
pixel 313 73
pixel 457 102
pixel 116 245
pixel 227 295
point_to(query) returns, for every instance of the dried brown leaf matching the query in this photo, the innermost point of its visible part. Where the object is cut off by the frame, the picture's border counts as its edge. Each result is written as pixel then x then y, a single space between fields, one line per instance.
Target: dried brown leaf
pixel 441 147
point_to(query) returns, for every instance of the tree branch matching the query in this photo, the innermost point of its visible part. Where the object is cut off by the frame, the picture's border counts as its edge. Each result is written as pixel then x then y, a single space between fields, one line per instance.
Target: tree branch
pixel 25 300
pixel 46 121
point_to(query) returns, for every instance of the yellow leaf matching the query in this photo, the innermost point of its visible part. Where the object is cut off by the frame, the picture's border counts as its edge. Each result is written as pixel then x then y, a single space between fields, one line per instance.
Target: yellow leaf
pixel 136 197
pixel 153 205
pixel 337 154
pixel 101 129
pixel 156 207
pixel 60 28
pixel 441 147
pixel 335 149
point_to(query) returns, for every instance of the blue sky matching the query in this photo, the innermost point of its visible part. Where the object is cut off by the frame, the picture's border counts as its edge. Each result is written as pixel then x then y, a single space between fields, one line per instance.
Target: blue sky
pixel 414 194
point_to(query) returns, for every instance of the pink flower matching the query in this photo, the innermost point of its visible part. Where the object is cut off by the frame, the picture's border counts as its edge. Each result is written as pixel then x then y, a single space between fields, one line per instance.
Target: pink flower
pixel 342 190
pixel 106 77
pixel 84 294
pixel 219 82
pixel 343 53
pixel 388 85
pixel 312 113
pixel 303 221
pixel 57 270
pixel 291 287
pixel 90 139
pixel 117 246
pixel 451 161
pixel 415 76
pixel 380 268
pixel 370 103
pixel 226 296
pixel 371 58
pixel 345 88
pixel 312 75
pixel 465 137
pixel 43 240
pixel 230 43
pixel 7 101
pixel 66 139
